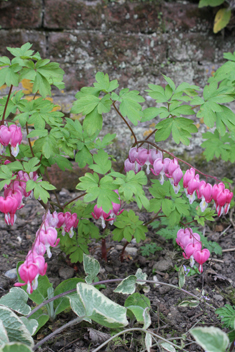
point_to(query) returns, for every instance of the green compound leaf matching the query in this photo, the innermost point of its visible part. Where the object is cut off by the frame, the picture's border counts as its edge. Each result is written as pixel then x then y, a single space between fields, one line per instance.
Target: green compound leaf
pixel 16 330
pixel 93 122
pixel 130 106
pixel 210 338
pixel 85 105
pixel 103 164
pixel 91 268
pixel 227 315
pixel 16 299
pixel 127 286
pixel 128 225
pixel 215 146
pixel 93 305
pixel 180 127
pixel 103 83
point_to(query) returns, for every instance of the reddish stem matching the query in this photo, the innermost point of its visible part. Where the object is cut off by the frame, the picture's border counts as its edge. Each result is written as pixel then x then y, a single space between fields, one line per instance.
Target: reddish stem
pixel 104 249
pixel 5 109
pixel 123 251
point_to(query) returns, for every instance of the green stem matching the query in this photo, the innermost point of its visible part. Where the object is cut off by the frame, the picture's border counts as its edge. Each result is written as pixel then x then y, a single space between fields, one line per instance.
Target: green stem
pixel 70 323
pixel 5 109
pixel 136 329
pixel 81 195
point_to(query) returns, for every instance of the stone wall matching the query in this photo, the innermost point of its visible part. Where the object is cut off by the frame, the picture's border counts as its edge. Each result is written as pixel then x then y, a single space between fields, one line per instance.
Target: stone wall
pixel 134 42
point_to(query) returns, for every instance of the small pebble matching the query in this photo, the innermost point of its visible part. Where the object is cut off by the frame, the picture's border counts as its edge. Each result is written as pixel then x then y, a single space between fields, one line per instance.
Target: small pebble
pixel 11 274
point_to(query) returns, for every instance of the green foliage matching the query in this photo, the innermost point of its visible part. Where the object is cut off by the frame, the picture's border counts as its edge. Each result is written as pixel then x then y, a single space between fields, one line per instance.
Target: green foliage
pixel 129 226
pixel 227 315
pixel 210 338
pixel 149 248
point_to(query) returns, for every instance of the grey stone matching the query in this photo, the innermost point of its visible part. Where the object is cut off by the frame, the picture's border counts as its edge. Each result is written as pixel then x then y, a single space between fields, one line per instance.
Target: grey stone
pixel 218 297
pixel 66 272
pixel 131 250
pixel 11 274
pixel 164 289
pixel 163 265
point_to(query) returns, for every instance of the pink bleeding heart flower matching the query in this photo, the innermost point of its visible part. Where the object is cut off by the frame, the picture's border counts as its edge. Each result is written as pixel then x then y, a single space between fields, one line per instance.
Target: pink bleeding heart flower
pixel 49 238
pixel 39 247
pixel 201 256
pixel 188 176
pixel 15 193
pixel 133 154
pixel 175 179
pixel 5 135
pixel 160 167
pixel 39 260
pixel 100 214
pixel 172 166
pixel 70 223
pixel 9 206
pixel 143 159
pixel 128 166
pixel 16 139
pixel 204 192
pixel 191 248
pixel 155 154
pixel 192 187
pixel 28 272
pixel 115 211
pixel 50 220
pixel 228 201
pixel 180 234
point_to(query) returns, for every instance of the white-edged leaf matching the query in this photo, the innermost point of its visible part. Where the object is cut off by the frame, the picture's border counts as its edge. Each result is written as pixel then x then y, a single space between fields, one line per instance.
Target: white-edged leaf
pixel 31 324
pixel 91 267
pixel 16 330
pixel 210 339
pixel 93 305
pixel 167 347
pixel 3 335
pixel 147 318
pixel 148 341
pixel 16 299
pixel 15 347
pixel 192 303
pixel 127 286
pixel 181 274
pixel 140 276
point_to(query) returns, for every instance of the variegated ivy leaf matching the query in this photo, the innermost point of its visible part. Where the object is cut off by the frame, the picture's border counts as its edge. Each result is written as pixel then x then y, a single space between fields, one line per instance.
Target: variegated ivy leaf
pixel 147 318
pixel 3 335
pixel 210 339
pixel 91 268
pixel 148 341
pixel 127 286
pixel 140 276
pixel 190 303
pixel 15 347
pixel 16 299
pixel 93 305
pixel 167 347
pixel 16 330
pixel 31 324
pixel 181 274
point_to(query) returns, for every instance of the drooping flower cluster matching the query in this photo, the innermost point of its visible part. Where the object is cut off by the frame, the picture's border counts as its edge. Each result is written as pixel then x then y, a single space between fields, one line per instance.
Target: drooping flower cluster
pixel 68 222
pixel 191 244
pixel 14 193
pixel 206 192
pixel 12 136
pixel 34 264
pixel 98 213
pixel 138 157
pixel 46 237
